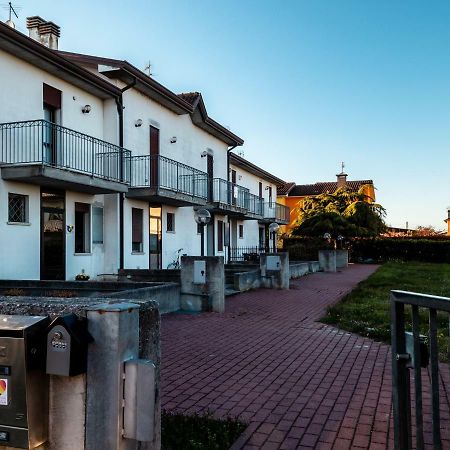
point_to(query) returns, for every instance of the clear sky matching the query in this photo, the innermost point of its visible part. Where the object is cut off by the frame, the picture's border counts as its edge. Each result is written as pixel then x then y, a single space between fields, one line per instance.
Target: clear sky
pixel 306 83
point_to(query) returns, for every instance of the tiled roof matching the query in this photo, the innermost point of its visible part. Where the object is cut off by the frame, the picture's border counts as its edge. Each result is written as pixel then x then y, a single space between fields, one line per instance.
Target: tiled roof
pixel 322 187
pixel 284 189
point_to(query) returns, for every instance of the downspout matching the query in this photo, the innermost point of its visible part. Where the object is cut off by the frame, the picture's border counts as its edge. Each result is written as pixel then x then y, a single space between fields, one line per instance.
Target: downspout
pixel 228 183
pixel 120 108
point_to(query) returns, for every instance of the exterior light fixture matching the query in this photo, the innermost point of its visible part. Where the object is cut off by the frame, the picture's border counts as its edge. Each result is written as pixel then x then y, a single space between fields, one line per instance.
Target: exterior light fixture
pixel 138 123
pixel 327 236
pixel 273 228
pixel 173 140
pixel 202 217
pixel 86 109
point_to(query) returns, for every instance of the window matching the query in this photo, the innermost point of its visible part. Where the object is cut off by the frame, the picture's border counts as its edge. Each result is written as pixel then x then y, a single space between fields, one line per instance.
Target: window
pixel 82 227
pixel 170 225
pixel 97 225
pixel 220 235
pixel 260 190
pixel 241 231
pixel 199 228
pixel 270 194
pixel 17 208
pixel 137 217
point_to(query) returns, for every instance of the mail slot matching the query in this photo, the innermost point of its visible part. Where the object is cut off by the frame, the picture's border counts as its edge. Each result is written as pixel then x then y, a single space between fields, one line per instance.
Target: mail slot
pixel 23 382
pixel 67 343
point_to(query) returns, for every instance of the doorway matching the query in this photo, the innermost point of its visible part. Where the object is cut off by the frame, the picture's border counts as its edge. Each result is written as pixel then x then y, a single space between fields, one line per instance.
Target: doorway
pixel 154 156
pixel 53 248
pixel 155 237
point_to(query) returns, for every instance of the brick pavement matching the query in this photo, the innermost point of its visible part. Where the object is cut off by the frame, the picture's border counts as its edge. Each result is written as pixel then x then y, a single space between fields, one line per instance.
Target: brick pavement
pixel 297 382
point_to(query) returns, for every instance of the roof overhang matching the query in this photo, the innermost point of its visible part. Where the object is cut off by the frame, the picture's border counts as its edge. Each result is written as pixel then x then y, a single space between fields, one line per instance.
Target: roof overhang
pixel 238 161
pixel 31 51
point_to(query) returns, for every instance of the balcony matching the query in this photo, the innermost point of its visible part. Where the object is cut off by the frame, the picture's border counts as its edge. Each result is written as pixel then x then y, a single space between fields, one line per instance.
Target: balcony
pixel 46 154
pixel 276 212
pixel 158 179
pixel 255 208
pixel 225 197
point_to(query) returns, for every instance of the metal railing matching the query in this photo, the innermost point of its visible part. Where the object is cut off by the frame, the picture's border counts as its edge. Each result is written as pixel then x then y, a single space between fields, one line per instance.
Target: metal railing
pixel 276 211
pixel 159 172
pixel 409 351
pixel 255 205
pixel 227 193
pixel 250 253
pixel 42 142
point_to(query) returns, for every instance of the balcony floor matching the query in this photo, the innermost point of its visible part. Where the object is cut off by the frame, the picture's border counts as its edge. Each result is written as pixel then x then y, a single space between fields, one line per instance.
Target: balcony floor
pixel 273 219
pixel 224 208
pixel 165 196
pixel 57 178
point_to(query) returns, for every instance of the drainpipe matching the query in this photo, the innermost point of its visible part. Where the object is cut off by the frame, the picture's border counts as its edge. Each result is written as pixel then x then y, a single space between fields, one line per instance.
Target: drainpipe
pixel 228 183
pixel 120 107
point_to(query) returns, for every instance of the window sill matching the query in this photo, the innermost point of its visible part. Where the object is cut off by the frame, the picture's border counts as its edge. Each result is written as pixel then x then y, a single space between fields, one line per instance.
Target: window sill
pixel 20 224
pixel 82 254
pixel 172 232
pixel 138 253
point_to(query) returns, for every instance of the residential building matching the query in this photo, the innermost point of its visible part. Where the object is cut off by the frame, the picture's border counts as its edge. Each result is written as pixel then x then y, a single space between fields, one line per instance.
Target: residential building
pixel 292 194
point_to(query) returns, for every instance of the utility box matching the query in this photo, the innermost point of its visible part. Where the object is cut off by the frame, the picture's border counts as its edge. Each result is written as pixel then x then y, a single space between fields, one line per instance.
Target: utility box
pixel 67 344
pixel 23 382
pixel 199 272
pixel 273 263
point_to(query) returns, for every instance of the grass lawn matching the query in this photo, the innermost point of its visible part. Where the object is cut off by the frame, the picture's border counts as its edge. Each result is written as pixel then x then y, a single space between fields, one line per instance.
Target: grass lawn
pixel 366 310
pixel 196 432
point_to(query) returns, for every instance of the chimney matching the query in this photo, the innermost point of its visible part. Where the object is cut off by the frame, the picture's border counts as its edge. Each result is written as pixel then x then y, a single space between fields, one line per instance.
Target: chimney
pixel 47 33
pixel 341 179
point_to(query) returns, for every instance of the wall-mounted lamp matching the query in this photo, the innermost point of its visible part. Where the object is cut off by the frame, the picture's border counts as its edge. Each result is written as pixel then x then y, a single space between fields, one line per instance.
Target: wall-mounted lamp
pixel 86 109
pixel 138 123
pixel 267 188
pixel 173 140
pixel 239 177
pixel 204 154
pixel 70 228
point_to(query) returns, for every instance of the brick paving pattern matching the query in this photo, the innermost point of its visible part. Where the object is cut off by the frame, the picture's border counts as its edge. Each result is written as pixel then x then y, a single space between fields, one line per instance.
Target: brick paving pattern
pixel 296 382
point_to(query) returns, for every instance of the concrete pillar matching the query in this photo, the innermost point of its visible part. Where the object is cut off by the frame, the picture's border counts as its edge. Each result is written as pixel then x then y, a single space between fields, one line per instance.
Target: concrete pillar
pixel 202 292
pixel 327 260
pixel 341 258
pixel 115 329
pixel 275 270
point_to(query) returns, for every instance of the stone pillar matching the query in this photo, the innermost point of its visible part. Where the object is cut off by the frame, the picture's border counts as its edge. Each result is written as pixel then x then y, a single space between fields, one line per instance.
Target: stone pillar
pixel 327 260
pixel 202 291
pixel 275 270
pixel 341 258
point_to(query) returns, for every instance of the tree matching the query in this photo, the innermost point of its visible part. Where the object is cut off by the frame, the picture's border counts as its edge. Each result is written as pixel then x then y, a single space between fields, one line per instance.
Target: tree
pixel 344 212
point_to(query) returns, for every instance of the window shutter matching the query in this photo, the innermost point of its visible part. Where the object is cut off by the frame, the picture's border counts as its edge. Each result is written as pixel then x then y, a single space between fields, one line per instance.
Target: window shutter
pixel 260 190
pixel 136 225
pixel 220 235
pixel 52 96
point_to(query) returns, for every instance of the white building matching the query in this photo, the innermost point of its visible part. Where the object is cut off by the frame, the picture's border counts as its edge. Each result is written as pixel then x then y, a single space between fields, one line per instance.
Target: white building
pixel 102 167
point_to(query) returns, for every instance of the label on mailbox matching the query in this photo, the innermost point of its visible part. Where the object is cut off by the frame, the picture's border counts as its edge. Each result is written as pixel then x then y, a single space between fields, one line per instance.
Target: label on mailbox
pixel 4 391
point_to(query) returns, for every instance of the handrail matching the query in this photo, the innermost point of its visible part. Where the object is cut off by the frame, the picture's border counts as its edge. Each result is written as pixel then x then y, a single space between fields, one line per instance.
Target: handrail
pixel 276 211
pixel 228 193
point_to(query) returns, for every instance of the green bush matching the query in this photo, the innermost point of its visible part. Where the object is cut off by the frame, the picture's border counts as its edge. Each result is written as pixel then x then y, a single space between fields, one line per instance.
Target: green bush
pixel 303 248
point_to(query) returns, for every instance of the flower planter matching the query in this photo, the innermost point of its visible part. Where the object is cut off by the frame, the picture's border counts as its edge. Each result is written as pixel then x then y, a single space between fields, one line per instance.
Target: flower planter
pixel 327 260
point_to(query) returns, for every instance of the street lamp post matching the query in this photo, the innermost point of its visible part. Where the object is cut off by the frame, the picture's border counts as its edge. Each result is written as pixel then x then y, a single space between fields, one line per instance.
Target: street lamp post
pixel 273 228
pixel 202 217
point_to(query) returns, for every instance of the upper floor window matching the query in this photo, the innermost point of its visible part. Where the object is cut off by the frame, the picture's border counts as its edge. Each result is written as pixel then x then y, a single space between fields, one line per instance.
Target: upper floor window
pixel 17 208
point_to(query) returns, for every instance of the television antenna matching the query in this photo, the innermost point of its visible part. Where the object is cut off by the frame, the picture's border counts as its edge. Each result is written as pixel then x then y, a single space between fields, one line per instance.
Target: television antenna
pixel 241 152
pixel 148 69
pixel 12 10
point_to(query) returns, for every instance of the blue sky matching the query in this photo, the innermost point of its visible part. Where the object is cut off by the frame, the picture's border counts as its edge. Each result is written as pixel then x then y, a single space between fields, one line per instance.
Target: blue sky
pixel 307 84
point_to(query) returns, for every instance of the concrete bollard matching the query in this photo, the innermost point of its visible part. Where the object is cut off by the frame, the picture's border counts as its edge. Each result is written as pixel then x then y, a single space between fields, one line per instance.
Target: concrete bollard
pixel 341 258
pixel 327 260
pixel 275 270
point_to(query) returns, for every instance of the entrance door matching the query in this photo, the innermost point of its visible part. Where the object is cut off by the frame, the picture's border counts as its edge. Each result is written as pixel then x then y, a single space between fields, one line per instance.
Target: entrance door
pixel 232 193
pixel 210 171
pixel 49 147
pixel 155 237
pixel 154 157
pixel 53 254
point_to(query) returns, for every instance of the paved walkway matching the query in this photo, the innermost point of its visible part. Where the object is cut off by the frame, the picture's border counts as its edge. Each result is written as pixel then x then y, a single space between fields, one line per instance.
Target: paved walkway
pixel 297 382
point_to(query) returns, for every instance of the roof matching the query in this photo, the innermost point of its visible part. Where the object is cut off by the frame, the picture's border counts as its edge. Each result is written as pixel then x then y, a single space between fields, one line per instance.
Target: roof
pixel 301 190
pixel 239 161
pixel 187 103
pixel 33 52
pixel 284 189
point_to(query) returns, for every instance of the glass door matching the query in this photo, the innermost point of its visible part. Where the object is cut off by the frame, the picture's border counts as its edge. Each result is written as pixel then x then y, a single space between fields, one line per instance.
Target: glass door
pixel 155 241
pixel 53 252
pixel 48 150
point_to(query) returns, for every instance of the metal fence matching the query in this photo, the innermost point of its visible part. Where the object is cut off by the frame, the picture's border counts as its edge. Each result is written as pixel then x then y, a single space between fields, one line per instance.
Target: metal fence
pixel 156 171
pixel 42 142
pixel 276 211
pixel 411 353
pixel 251 253
pixel 227 193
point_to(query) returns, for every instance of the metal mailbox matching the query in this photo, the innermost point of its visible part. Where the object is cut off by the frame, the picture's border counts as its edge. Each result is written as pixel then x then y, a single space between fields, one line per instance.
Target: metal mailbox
pixel 23 382
pixel 67 342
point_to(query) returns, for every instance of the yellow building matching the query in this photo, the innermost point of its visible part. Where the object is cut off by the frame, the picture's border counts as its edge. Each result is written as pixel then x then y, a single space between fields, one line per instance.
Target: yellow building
pixel 292 195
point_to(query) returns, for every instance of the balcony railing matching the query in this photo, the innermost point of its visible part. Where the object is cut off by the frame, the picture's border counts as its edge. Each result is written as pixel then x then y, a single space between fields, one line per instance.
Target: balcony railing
pixel 227 193
pixel 41 142
pixel 159 172
pixel 255 205
pixel 276 211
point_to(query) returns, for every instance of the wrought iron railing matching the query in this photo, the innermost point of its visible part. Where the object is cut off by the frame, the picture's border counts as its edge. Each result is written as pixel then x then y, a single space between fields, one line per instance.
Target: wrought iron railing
pixel 276 211
pixel 255 205
pixel 159 172
pixel 227 193
pixel 42 142
pixel 250 253
pixel 410 352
